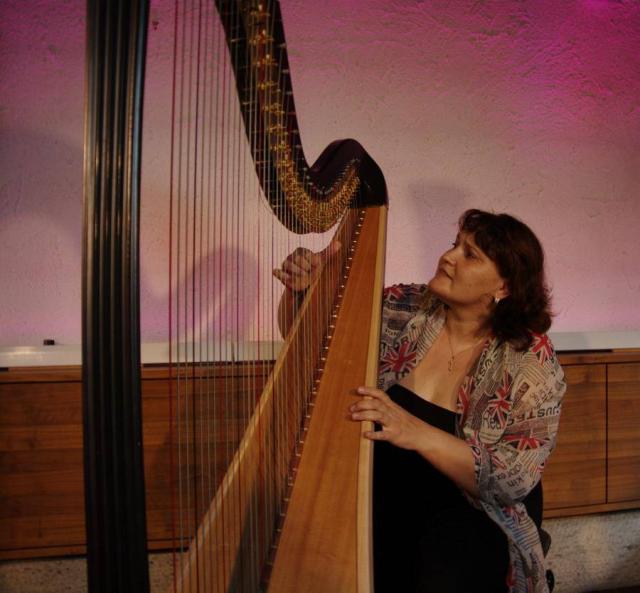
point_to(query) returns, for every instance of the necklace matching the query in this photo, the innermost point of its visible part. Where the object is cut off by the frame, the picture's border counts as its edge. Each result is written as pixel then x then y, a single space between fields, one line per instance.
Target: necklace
pixel 452 360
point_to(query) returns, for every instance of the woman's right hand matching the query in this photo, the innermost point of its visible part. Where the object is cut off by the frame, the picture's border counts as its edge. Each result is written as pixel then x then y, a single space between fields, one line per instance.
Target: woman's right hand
pixel 301 267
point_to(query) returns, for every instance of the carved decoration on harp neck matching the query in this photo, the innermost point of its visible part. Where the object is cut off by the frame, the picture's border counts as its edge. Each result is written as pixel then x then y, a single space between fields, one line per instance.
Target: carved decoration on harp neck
pixel 270 85
pixel 317 216
pixel 262 38
pixel 274 109
pixel 258 16
pixel 264 62
pixel 281 147
pixel 277 129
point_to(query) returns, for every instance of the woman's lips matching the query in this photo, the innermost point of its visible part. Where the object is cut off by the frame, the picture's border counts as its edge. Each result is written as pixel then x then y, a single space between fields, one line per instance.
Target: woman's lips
pixel 443 271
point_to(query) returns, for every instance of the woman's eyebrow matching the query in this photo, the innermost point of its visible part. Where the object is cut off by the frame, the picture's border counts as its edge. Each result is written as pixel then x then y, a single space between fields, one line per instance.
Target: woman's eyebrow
pixel 475 249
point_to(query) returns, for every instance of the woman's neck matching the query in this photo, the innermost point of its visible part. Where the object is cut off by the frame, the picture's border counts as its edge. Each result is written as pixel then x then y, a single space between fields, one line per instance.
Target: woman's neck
pixel 466 326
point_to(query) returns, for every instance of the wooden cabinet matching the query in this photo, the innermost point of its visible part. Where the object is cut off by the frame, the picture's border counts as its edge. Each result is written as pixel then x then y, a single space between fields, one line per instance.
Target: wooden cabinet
pixel 596 465
pixel 41 455
pixel 41 486
pixel 576 473
pixel 624 432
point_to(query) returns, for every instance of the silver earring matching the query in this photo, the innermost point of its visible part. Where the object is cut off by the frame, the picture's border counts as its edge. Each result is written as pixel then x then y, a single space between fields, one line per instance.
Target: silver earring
pixel 496 300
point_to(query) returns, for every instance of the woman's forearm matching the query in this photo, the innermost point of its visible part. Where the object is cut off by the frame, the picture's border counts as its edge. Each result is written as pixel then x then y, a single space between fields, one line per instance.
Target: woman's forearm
pixel 449 455
pixel 287 310
pixel 298 272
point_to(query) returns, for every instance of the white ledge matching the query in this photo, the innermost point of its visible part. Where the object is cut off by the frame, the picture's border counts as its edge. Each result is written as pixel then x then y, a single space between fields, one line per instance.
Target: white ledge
pixel 151 353
pixel 595 340
pixel 158 352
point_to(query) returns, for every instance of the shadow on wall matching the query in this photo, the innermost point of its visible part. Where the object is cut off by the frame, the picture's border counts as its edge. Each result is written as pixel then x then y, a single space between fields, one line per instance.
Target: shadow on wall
pixel 216 299
pixel 41 237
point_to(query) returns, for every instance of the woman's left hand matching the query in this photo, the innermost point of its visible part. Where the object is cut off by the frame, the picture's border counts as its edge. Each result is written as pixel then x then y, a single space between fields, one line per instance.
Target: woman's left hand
pixel 398 426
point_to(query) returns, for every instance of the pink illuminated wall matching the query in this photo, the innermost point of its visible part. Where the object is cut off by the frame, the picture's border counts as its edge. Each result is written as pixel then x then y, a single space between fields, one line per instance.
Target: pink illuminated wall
pixel 527 107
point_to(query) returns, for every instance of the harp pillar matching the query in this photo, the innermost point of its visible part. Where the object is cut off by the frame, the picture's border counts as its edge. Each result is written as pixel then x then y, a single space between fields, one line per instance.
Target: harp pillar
pixel 114 477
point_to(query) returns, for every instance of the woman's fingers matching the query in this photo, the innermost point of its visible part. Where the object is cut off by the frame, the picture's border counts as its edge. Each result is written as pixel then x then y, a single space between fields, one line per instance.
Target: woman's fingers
pixel 377 435
pixel 286 278
pixel 288 265
pixel 281 275
pixel 299 268
pixel 399 427
pixel 327 253
pixel 331 249
pixel 374 406
pixel 373 415
pixel 302 259
pixel 373 392
pixel 368 404
pixel 302 251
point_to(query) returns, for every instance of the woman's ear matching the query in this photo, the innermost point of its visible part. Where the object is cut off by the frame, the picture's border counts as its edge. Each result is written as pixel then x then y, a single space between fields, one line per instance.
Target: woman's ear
pixel 503 291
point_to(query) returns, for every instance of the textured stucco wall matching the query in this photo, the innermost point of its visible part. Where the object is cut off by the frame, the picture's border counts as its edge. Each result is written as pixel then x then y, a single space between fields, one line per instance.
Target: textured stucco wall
pixel 528 107
pixel 41 107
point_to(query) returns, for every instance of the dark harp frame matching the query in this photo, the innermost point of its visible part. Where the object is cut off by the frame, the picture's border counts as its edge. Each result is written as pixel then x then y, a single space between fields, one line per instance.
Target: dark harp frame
pixel 113 457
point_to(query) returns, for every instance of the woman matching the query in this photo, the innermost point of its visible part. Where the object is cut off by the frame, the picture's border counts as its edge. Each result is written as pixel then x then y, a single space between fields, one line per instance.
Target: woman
pixel 467 410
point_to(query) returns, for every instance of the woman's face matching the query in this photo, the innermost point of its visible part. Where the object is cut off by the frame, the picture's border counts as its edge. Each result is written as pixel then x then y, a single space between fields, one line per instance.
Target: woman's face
pixel 466 276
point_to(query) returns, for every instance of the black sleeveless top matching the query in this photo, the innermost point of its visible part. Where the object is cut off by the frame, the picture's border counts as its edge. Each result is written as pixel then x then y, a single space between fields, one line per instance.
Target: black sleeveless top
pixel 409 493
pixel 407 476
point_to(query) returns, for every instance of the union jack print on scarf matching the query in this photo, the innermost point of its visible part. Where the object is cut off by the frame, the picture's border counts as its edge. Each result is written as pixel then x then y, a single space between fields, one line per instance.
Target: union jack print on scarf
pixel 496 460
pixel 513 514
pixel 523 442
pixel 542 347
pixel 394 291
pixel 499 405
pixel 399 360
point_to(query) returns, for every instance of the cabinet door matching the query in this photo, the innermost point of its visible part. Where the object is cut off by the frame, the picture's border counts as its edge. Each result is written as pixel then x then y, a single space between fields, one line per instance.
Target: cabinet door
pixel 624 432
pixel 576 472
pixel 41 486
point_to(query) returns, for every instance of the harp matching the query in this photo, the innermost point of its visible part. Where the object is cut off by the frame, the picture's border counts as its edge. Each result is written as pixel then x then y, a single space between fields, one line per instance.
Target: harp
pixel 290 510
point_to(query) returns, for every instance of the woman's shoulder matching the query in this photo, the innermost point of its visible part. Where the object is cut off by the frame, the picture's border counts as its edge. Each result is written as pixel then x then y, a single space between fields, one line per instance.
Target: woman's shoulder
pixel 402 303
pixel 538 363
pixel 409 297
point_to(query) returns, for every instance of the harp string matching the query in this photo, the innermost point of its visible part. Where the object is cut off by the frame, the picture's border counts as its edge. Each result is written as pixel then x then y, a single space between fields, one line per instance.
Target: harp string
pixel 190 274
pixel 259 510
pixel 223 526
pixel 179 58
pixel 218 288
pixel 236 339
pixel 257 528
pixel 247 378
pixel 170 319
pixel 280 400
pixel 205 359
pixel 198 212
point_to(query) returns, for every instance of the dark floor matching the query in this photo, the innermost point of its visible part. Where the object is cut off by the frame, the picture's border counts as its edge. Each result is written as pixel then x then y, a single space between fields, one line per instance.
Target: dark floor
pixel 626 590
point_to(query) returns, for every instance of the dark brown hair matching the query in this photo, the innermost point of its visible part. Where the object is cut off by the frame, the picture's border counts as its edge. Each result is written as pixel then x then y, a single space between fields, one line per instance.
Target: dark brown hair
pixel 519 257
